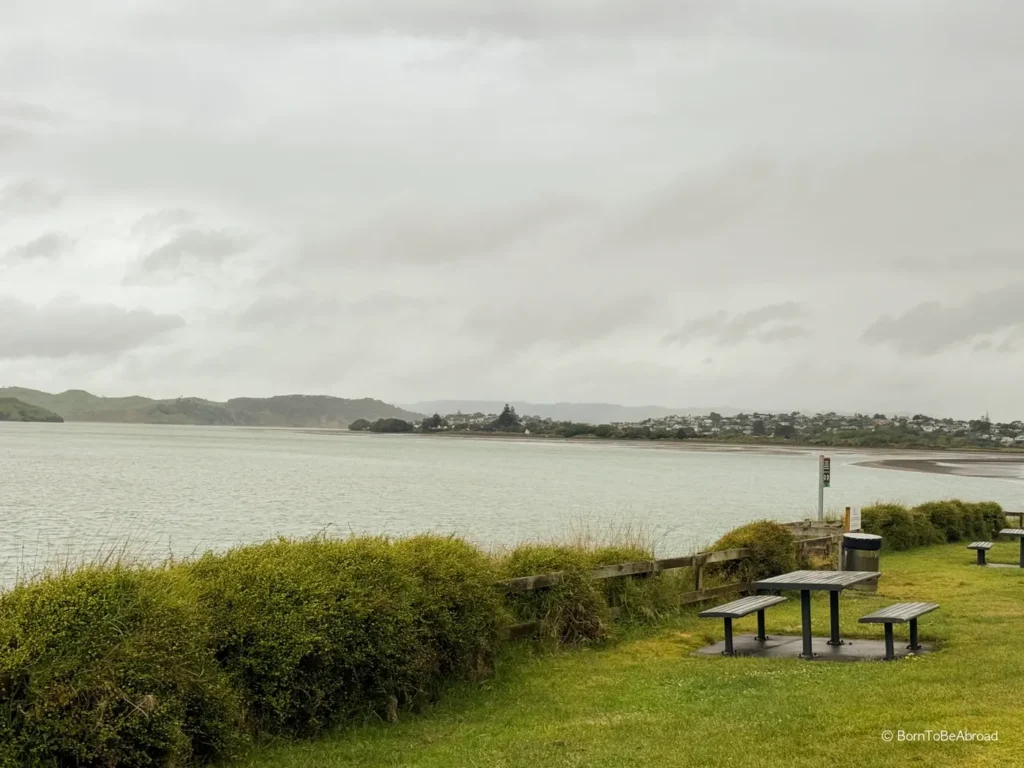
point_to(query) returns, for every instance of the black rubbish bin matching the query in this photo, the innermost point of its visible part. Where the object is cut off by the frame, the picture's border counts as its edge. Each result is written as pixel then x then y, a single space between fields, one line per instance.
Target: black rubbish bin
pixel 862 552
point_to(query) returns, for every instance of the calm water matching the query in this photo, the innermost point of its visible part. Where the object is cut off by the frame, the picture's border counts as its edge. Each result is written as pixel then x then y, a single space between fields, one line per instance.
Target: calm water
pixel 73 489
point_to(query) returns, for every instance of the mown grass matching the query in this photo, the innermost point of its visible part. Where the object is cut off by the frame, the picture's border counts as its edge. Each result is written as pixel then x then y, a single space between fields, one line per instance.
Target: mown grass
pixel 646 700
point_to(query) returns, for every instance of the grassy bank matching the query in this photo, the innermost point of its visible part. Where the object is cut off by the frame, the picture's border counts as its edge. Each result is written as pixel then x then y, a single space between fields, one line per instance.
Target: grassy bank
pixel 184 663
pixel 644 700
pixel 207 660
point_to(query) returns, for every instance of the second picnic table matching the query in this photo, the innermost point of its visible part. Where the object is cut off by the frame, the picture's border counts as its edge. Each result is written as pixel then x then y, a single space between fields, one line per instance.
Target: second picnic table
pixel 1019 534
pixel 807 581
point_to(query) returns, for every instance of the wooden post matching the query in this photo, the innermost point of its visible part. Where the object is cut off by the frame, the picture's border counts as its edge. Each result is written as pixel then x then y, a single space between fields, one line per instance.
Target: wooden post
pixel 698 573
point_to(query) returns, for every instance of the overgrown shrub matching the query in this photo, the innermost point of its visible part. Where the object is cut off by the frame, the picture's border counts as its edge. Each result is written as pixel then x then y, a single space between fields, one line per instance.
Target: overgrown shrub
pixel 460 617
pixel 932 522
pixel 108 666
pixel 772 551
pixel 313 632
pixel 991 515
pixel 947 517
pixel 574 610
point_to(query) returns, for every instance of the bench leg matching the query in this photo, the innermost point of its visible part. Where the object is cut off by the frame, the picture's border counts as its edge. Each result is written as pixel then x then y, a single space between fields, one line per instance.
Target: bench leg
pixel 805 613
pixel 728 638
pixel 833 615
pixel 1022 551
pixel 981 557
pixel 761 636
pixel 890 650
pixel 914 645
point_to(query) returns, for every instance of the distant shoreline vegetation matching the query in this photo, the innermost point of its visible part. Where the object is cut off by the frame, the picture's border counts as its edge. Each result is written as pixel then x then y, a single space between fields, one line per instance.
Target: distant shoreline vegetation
pixel 12 409
pixel 315 411
pixel 825 430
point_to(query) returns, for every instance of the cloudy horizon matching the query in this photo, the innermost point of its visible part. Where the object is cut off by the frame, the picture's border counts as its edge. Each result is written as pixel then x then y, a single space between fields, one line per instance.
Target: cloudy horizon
pixel 813 206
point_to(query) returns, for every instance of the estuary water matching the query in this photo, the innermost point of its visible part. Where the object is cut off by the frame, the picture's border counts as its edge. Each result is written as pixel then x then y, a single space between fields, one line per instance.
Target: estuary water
pixel 75 491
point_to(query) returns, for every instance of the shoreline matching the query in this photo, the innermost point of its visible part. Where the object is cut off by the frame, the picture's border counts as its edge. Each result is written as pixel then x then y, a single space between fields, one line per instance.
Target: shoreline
pixel 995 466
pixel 697 444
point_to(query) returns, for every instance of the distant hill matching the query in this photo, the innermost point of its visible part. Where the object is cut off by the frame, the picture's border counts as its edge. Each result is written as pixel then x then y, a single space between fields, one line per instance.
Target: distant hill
pixel 12 409
pixel 280 411
pixel 587 413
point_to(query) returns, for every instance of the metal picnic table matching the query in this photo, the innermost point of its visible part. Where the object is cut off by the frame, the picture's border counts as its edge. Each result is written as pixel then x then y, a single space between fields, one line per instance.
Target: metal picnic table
pixel 808 581
pixel 1019 534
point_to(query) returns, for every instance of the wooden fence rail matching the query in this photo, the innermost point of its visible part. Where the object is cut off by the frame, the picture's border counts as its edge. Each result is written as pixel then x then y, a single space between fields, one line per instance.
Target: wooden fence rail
pixel 697 562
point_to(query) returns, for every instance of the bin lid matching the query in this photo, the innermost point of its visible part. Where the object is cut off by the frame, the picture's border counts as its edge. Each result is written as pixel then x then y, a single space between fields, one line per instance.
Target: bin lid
pixel 865 541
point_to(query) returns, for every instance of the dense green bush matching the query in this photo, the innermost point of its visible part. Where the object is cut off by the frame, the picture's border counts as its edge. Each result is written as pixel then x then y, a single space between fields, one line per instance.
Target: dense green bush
pixel 110 666
pixel 899 527
pixel 574 610
pixel 460 617
pixel 313 632
pixel 932 522
pixel 772 547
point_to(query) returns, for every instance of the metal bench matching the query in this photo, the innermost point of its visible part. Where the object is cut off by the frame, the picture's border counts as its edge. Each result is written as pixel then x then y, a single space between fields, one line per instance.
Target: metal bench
pixel 981 547
pixel 899 614
pixel 737 609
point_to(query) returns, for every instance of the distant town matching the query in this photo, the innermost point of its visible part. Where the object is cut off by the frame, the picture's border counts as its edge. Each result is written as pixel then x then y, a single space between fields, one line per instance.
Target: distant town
pixel 825 429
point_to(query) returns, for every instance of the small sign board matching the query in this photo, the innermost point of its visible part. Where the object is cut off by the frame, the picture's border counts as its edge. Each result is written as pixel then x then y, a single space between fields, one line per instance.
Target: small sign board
pixel 851 521
pixel 855 519
pixel 826 472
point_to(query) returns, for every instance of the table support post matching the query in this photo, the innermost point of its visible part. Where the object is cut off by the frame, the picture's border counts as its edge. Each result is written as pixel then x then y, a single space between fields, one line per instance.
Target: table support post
pixel 805 611
pixel 728 638
pixel 1022 551
pixel 761 636
pixel 833 615
pixel 981 557
pixel 890 650
pixel 914 645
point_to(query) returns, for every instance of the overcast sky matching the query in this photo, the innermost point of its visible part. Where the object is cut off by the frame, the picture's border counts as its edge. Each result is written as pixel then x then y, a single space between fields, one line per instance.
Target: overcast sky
pixel 814 205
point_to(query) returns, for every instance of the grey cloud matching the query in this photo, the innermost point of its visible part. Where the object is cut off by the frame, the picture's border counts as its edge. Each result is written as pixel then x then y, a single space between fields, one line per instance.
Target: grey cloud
pixel 781 333
pixel 793 150
pixel 983 346
pixel 733 329
pixel 1009 344
pixel 67 327
pixel 563 321
pixel 826 24
pixel 158 222
pixel 48 247
pixel 208 246
pixel 13 137
pixel 439 237
pixel 24 111
pixel 317 311
pixel 29 196
pixel 696 207
pixel 932 327
pixel 528 19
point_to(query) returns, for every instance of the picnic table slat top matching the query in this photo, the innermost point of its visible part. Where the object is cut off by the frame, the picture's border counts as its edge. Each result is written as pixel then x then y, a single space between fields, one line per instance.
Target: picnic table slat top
pixel 745 606
pixel 899 613
pixel 816 580
pixel 1012 532
pixel 980 545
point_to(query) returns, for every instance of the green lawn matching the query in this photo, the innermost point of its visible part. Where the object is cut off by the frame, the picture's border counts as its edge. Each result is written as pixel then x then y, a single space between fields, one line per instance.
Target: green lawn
pixel 646 701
